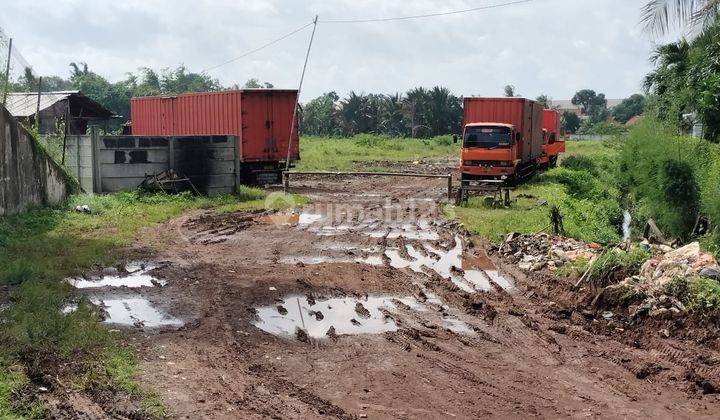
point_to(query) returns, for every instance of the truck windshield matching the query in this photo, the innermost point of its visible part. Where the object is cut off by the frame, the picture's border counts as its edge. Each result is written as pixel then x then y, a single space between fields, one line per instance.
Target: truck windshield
pixel 487 137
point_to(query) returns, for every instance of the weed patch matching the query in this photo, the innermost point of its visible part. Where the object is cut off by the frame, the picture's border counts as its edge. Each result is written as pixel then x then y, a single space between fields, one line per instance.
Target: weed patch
pixel 329 153
pixel 615 265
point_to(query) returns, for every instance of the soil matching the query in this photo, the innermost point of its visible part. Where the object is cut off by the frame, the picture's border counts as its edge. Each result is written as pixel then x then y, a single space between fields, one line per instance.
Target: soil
pixel 532 349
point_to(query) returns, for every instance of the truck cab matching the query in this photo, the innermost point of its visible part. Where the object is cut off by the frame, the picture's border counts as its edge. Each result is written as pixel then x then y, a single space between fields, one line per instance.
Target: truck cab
pixel 489 151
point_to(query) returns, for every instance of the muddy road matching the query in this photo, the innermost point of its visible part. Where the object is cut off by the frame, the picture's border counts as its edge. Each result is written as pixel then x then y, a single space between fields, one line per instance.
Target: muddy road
pixel 368 303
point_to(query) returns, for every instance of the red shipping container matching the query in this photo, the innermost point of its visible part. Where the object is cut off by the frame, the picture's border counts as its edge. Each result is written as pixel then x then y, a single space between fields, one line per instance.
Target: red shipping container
pixel 259 118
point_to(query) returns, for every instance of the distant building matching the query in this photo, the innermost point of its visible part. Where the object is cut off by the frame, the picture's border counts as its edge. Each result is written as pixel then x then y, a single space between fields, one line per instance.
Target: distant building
pixel 72 107
pixel 567 105
pixel 634 120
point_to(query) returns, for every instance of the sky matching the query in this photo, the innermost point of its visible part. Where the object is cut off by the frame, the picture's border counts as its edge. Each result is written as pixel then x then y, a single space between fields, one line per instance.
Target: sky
pixel 553 47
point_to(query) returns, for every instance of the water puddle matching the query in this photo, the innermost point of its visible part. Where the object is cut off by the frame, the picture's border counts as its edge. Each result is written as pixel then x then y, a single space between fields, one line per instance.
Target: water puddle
pixel 371 260
pixel 345 315
pixel 457 326
pixel 135 311
pixel 470 274
pixel 136 276
pixel 290 218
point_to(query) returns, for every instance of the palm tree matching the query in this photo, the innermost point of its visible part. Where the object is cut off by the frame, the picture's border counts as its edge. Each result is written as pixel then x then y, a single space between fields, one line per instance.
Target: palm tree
pixel 659 16
pixel 416 105
pixel 392 119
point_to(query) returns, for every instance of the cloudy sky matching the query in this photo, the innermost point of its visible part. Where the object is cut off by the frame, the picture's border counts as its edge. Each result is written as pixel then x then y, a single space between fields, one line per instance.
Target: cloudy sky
pixel 542 46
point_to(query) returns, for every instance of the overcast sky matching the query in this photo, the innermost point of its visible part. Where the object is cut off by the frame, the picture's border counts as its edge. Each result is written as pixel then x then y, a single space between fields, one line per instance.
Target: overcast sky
pixel 544 46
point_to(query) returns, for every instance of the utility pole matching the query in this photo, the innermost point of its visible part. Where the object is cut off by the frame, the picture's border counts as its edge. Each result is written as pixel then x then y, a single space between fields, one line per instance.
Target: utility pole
pixel 7 73
pixel 297 99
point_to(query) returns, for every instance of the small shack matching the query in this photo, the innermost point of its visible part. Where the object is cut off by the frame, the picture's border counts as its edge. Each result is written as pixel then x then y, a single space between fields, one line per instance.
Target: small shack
pixel 56 108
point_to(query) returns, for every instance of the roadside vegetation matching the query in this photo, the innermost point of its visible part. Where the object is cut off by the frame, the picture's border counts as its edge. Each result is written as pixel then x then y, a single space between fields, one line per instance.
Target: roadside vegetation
pixel 44 347
pixel 337 153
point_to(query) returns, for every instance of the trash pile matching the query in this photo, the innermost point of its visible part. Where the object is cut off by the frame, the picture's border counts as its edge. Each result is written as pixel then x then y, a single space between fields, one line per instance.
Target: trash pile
pixel 684 262
pixel 650 285
pixel 535 252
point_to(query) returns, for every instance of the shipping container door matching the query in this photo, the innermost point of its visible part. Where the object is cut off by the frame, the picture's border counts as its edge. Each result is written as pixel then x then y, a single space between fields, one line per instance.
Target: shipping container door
pixel 257 138
pixel 282 117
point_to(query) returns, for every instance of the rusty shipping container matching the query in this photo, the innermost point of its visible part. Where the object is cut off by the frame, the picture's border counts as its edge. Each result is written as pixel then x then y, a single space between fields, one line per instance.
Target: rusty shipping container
pixel 259 118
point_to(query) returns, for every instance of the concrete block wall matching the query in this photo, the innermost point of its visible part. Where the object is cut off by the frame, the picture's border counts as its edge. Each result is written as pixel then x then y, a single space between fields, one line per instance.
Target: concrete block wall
pixel 28 177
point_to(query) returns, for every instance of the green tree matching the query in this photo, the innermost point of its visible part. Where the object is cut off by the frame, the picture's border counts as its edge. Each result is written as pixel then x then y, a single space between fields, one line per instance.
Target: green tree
pixel 393 120
pixel 444 111
pixel 659 16
pixel 256 84
pixel 570 122
pixel 543 100
pixel 509 91
pixel 417 108
pixel 592 104
pixel 320 116
pixel 628 108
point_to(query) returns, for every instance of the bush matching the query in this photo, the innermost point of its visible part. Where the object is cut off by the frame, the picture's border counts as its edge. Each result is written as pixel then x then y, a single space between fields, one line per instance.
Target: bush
pixel 677 182
pixel 615 265
pixel 579 184
pixel 579 163
pixel 701 295
pixel 246 193
pixel 669 178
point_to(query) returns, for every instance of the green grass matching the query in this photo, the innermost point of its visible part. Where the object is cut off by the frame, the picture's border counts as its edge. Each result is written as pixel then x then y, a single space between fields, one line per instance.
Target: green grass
pixel 41 247
pixel 524 215
pixel 324 153
pixel 586 198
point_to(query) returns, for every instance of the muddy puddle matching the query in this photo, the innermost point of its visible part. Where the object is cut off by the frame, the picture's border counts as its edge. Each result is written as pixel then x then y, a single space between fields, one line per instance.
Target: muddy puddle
pixel 135 274
pixel 135 311
pixel 469 273
pixel 375 260
pixel 323 318
pixel 291 218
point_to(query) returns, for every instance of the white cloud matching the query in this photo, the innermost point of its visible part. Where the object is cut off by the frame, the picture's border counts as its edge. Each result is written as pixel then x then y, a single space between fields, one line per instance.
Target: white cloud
pixel 545 46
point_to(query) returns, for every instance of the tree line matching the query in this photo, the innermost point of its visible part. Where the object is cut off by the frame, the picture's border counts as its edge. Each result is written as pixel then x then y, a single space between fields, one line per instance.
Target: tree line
pixel 419 112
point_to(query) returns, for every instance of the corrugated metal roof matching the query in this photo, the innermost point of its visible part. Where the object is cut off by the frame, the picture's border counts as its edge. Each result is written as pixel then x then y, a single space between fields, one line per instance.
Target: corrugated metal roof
pixel 24 104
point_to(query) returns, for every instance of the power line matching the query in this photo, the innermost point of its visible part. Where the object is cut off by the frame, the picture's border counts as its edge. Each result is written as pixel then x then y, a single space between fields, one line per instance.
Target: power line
pixel 454 12
pixel 260 48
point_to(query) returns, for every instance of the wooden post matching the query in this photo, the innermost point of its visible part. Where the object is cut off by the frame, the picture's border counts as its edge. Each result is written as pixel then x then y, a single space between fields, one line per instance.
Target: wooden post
pixel 7 73
pixel 450 188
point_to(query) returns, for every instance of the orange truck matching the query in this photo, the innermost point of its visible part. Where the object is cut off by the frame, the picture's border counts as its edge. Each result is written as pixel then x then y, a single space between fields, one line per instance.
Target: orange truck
pixel 553 143
pixel 502 139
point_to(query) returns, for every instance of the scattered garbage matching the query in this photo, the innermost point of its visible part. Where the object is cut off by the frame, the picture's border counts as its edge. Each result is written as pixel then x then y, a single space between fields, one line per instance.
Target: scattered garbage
pixel 684 262
pixel 84 208
pixel 535 252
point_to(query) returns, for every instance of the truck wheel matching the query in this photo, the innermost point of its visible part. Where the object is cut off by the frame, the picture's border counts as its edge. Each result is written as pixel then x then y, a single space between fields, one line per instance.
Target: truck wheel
pixel 553 161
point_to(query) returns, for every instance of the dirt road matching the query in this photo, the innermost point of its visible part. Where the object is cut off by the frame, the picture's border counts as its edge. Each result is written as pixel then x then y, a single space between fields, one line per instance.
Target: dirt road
pixel 259 316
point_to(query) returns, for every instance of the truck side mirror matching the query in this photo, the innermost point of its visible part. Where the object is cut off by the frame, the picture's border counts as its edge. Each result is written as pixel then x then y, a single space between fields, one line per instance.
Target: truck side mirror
pixel 454 138
pixel 552 138
pixel 518 137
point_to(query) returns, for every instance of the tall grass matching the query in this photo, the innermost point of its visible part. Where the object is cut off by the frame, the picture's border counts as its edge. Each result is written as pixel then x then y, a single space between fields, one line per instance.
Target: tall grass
pixel 328 153
pixel 669 177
